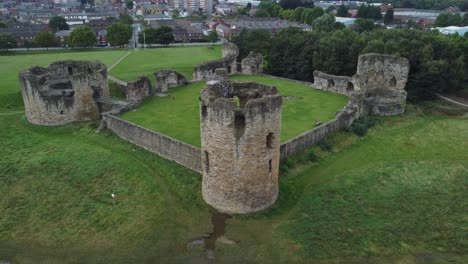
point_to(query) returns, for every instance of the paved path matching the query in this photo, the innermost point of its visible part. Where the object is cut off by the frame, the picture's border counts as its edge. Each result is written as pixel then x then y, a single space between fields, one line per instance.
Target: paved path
pixel 111 100
pixel 118 61
pixel 451 100
pixel 112 78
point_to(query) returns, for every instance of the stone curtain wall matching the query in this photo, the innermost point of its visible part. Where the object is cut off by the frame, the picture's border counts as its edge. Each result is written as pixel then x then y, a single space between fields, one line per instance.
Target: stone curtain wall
pixel 345 117
pixel 166 147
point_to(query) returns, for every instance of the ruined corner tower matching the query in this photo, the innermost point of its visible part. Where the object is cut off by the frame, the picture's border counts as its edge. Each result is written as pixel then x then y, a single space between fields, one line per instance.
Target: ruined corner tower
pixel 64 92
pixel 240 132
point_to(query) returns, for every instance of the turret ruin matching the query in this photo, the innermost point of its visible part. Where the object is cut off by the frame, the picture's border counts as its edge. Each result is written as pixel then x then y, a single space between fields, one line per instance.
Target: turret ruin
pixel 240 131
pixel 64 92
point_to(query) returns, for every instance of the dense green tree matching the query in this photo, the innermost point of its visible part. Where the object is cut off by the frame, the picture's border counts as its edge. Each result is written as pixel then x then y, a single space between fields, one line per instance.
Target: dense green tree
pixel 164 35
pixel 369 12
pixel 126 19
pixel 298 13
pixel 45 39
pixel 261 13
pixel 361 25
pixel 258 40
pixel 58 23
pixel 147 36
pixel 3 25
pixel 290 4
pixel 129 4
pixel 310 14
pixel 82 36
pixel 325 23
pixel 342 11
pixel 448 19
pixel 388 18
pixel 288 15
pixel 119 34
pixel 7 42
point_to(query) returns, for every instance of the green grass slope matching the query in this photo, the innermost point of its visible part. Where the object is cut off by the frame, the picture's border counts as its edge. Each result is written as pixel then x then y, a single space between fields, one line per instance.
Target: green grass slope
pixel 395 195
pixel 177 114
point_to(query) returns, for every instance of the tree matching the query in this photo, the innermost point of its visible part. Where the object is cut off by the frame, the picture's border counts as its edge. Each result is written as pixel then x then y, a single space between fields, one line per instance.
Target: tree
pixel 388 18
pixel 147 36
pixel 261 13
pixel 58 23
pixel 213 37
pixel 448 19
pixel 164 35
pixel 119 34
pixel 46 39
pixel 290 4
pixel 298 13
pixel 126 19
pixel 342 11
pixel 3 25
pixel 129 4
pixel 369 12
pixel 82 36
pixel 325 23
pixel 310 14
pixel 7 42
pixel 361 25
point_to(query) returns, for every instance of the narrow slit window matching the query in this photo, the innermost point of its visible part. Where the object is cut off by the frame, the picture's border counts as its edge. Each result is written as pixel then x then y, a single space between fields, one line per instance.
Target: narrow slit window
pixel 203 111
pixel 207 161
pixel 269 140
pixel 270 166
pixel 70 70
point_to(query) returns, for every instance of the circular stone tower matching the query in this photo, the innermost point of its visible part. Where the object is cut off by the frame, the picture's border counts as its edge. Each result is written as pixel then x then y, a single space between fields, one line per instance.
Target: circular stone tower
pixel 240 131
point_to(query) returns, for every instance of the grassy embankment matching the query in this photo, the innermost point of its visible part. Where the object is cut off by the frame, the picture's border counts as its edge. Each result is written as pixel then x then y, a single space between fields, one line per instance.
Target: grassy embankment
pixel 397 191
pixel 177 114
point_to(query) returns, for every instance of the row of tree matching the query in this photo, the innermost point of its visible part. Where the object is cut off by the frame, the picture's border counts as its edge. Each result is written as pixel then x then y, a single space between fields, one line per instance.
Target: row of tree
pixel 427 4
pixel 451 19
pixel 162 35
pixel 438 63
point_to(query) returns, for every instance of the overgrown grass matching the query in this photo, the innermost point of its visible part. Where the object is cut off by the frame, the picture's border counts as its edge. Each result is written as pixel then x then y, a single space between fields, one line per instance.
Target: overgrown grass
pixel 177 114
pixel 10 66
pixel 181 59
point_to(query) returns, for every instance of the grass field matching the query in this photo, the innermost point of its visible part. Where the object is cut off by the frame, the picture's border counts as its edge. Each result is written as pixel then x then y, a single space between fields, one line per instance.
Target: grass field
pixel 181 59
pixel 398 194
pixel 177 115
pixel 10 66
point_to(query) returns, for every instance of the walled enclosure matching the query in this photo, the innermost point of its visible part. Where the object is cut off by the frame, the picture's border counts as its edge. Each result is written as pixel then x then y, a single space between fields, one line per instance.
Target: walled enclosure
pixel 228 61
pixel 63 92
pixel 252 64
pixel 380 78
pixel 240 145
pixel 167 78
pixel 136 91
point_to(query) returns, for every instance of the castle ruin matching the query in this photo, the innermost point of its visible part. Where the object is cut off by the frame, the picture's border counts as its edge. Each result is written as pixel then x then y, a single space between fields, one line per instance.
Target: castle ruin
pixel 135 91
pixel 252 64
pixel 380 79
pixel 167 78
pixel 240 130
pixel 64 92
pixel 204 70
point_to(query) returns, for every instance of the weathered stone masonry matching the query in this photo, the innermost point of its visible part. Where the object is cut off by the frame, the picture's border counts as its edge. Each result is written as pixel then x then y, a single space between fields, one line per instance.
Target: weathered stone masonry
pixel 204 70
pixel 64 92
pixel 240 146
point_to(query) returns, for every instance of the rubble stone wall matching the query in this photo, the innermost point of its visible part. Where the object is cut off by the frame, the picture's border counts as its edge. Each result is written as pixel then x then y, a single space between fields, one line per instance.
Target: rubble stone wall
pixel 228 61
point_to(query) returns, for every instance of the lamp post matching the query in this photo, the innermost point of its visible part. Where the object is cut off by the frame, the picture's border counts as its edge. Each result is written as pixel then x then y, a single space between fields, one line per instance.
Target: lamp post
pixel 144 40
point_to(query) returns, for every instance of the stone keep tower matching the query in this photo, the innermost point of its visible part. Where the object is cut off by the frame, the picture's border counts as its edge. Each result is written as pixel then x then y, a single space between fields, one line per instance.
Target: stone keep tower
pixel 64 92
pixel 240 131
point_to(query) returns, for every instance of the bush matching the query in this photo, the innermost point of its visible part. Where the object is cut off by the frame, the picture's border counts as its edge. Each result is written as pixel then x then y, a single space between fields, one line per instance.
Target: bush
pixel 325 145
pixel 362 125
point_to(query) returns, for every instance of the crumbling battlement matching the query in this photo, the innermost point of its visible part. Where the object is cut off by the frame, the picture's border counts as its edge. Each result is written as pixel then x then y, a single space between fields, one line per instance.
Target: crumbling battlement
pixel 229 61
pixel 338 84
pixel 64 92
pixel 137 90
pixel 380 79
pixel 240 128
pixel 252 64
pixel 167 78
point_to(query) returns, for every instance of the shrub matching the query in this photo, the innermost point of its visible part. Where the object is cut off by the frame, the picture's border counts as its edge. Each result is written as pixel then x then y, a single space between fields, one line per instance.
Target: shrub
pixel 362 125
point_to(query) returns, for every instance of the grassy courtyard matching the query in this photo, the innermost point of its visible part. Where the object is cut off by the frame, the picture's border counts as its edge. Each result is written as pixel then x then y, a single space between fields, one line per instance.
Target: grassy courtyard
pixel 397 194
pixel 10 66
pixel 177 114
pixel 181 59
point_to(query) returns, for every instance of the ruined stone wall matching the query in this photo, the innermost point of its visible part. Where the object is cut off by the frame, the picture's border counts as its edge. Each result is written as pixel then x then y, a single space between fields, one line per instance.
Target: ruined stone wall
pixel 137 90
pixel 240 146
pixel 252 64
pixel 64 92
pixel 229 61
pixel 383 79
pixel 160 144
pixel 337 84
pixel 166 79
pixel 352 111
